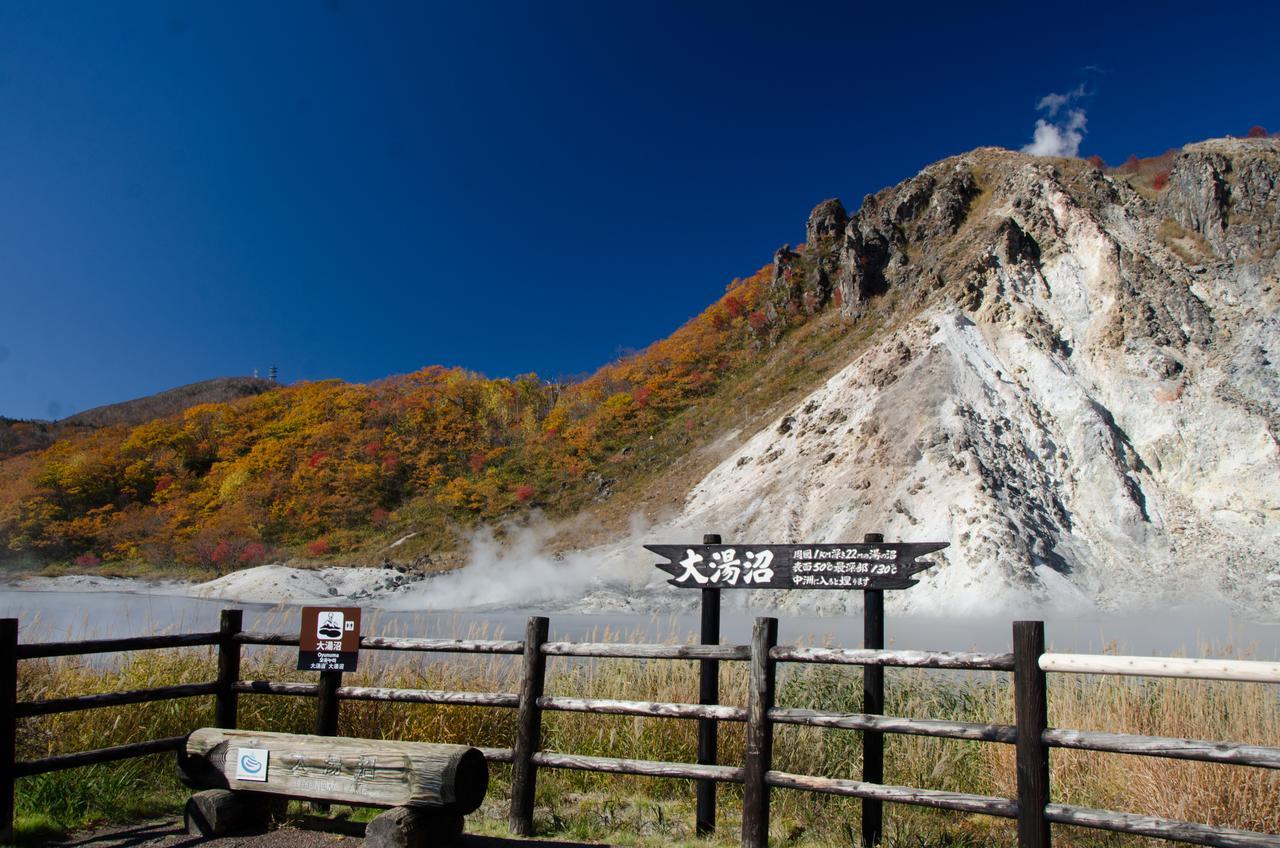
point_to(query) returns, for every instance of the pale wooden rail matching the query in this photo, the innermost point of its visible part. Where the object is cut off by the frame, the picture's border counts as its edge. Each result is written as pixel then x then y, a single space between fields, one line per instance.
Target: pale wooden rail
pixel 1238 671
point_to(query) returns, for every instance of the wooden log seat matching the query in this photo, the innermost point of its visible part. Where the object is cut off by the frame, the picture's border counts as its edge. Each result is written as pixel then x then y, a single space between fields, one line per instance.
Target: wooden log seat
pixel 429 787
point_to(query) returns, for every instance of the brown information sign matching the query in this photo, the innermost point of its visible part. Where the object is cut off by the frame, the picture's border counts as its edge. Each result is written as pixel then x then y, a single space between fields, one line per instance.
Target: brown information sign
pixel 887 565
pixel 330 639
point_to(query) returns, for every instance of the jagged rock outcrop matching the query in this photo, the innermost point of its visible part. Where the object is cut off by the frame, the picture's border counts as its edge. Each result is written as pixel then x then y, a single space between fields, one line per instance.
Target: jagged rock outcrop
pixel 1227 191
pixel 1073 379
pixel 806 280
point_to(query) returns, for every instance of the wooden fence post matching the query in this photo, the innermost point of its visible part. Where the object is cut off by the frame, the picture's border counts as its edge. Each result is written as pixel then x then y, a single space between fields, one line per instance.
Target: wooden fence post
pixel 8 722
pixel 1031 711
pixel 226 705
pixel 524 774
pixel 327 703
pixel 759 742
pixel 708 693
pixel 872 704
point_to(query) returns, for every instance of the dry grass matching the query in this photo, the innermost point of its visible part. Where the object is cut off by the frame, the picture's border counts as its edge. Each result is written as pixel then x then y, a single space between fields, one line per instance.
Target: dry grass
pixel 643 811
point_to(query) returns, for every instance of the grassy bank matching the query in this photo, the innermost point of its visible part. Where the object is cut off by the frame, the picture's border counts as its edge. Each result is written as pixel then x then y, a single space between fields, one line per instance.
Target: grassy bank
pixel 645 811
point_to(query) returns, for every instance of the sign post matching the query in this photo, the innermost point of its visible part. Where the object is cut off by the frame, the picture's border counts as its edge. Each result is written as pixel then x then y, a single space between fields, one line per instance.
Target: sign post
pixel 329 643
pixel 708 694
pixel 871 566
pixel 872 704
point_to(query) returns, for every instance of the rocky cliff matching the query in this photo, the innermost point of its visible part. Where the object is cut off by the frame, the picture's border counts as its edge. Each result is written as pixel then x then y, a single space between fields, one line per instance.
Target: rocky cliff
pixel 1074 378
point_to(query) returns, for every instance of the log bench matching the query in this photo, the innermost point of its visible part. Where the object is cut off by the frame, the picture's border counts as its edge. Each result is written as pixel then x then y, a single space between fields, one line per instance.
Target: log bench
pixel 242 775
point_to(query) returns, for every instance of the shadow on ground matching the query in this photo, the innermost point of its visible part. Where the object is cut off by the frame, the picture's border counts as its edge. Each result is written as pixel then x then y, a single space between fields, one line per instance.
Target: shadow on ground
pixel 301 833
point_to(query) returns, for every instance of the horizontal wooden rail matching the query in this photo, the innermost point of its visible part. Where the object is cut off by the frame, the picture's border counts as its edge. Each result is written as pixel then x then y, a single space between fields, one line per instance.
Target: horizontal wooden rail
pixel 905 659
pixel 98 755
pixel 1178 831
pixel 648 768
pixel 984 804
pixel 1240 671
pixel 657 709
pixel 249 638
pixel 27 709
pixel 618 650
pixel 498 755
pixel 1006 733
pixel 39 650
pixel 443 646
pixel 1164 746
pixel 428 696
pixel 375 693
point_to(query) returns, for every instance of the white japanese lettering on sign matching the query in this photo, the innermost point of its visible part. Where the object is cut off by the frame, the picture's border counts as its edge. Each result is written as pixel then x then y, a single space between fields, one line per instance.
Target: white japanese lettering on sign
pixel 727 568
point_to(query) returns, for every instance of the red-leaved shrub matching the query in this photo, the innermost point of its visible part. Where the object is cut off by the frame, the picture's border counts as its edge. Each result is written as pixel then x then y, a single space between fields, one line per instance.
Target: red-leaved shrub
pixel 88 560
pixel 733 304
pixel 1256 131
pixel 1096 161
pixel 319 547
pixel 1160 180
pixel 221 552
pixel 252 554
pixel 524 492
pixel 758 320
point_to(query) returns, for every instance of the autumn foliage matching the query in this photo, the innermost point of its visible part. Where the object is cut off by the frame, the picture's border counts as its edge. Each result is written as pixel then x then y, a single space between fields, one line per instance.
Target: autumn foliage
pixel 316 468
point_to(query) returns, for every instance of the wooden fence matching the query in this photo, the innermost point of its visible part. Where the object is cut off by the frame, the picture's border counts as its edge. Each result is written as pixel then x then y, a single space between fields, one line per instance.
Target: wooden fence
pixel 1028 663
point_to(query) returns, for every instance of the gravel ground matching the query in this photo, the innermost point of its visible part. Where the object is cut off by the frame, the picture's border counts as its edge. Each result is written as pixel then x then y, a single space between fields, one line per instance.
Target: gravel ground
pixel 169 833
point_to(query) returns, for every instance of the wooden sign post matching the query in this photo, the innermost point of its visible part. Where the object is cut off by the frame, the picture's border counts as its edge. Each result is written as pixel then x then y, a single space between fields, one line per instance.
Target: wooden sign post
pixel 871 566
pixel 329 643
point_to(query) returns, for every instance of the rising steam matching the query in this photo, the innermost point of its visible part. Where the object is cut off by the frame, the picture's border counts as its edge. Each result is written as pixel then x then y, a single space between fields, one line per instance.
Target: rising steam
pixel 1060 133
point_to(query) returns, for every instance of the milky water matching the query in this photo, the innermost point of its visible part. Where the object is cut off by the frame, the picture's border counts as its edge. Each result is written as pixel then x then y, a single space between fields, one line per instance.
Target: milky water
pixel 50 616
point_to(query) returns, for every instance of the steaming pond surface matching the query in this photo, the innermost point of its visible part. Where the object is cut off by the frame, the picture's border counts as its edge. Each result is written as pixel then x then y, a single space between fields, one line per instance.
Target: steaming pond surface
pixel 52 616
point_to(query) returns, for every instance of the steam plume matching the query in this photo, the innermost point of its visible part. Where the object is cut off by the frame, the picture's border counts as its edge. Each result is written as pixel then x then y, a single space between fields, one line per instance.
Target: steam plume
pixel 1059 134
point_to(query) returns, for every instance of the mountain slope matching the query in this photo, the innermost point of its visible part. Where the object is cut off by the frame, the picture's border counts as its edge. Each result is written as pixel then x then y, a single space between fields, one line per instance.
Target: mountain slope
pixel 1085 403
pixel 18 436
pixel 171 401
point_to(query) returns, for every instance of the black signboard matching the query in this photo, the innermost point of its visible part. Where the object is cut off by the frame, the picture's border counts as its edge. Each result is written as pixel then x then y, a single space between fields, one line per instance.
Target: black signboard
pixel 887 565
pixel 329 639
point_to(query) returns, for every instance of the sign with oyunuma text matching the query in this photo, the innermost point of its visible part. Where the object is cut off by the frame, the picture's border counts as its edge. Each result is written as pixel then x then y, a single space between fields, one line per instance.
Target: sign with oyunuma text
pixel 329 639
pixel 881 565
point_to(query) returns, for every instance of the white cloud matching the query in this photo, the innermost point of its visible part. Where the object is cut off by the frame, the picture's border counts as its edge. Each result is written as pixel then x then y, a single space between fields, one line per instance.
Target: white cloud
pixel 1059 136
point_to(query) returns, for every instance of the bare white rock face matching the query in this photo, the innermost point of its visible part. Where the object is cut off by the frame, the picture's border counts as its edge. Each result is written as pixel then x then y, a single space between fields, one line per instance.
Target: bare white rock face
pixel 1092 421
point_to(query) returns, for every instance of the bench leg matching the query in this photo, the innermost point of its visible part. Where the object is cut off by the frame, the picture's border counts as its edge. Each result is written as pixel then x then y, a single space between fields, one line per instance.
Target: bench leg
pixel 215 812
pixel 413 827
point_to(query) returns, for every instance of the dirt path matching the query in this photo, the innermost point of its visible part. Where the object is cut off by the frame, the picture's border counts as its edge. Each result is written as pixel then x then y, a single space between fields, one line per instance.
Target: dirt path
pixel 169 833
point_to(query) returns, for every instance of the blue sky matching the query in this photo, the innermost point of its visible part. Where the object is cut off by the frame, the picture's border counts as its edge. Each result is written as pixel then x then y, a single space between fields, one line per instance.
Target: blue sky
pixel 360 189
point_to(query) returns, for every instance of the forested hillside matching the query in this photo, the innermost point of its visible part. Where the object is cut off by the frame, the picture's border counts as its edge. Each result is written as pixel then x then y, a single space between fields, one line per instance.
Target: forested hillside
pixel 332 468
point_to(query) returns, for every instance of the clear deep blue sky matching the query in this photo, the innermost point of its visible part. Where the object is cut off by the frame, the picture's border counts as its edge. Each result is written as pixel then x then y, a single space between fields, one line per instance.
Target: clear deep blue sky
pixel 353 189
